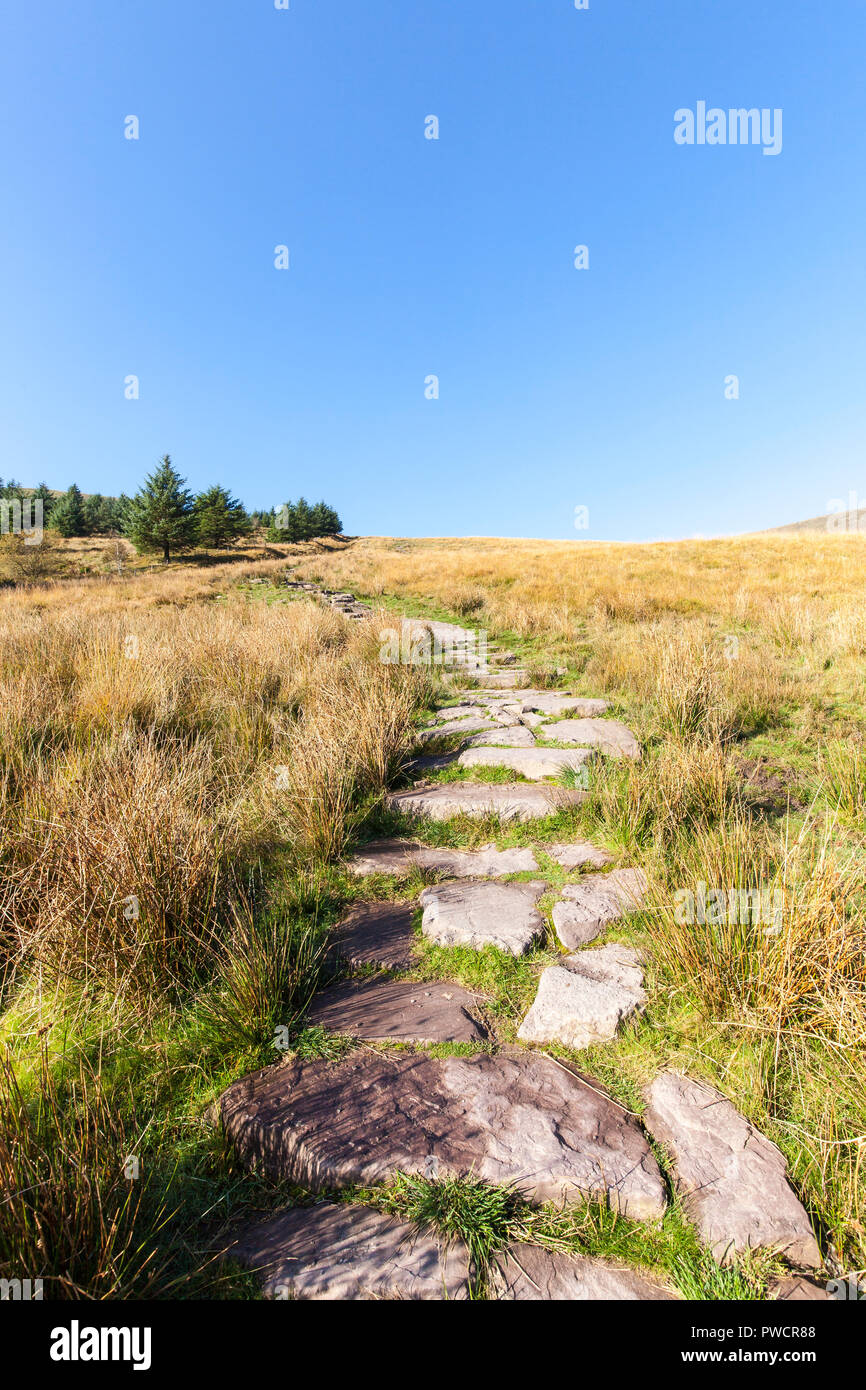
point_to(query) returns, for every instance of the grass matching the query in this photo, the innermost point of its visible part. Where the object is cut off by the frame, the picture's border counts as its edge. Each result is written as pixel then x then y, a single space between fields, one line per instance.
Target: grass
pixel 174 808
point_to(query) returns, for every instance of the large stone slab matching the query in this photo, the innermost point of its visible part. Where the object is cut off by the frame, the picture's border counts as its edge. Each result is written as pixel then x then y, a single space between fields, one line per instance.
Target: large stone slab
pixel 401 856
pixel 587 908
pixel 508 801
pixel 397 1011
pixel 515 736
pixel 534 763
pixel 452 712
pixel 531 1274
pixel 514 1118
pixel 578 854
pixel 796 1288
pixel 483 914
pixel 583 1000
pixel 550 702
pixel 454 726
pixel 377 934
pixel 350 1253
pixel 506 679
pixel 608 735
pixel 731 1178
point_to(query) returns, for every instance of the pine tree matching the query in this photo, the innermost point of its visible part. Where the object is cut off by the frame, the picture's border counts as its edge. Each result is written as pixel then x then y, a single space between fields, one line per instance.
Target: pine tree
pixel 160 516
pixel 219 517
pixel 284 526
pixel 97 514
pixel 67 515
pixel 304 520
pixel 44 495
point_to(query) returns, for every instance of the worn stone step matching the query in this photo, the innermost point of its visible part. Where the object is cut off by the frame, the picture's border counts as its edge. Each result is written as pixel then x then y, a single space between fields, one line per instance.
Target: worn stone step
pixel 553 702
pixel 504 915
pixel 516 1118
pixel 509 801
pixel 529 1273
pixel 398 1011
pixel 577 854
pixel 349 1253
pixel 588 907
pixel 401 856
pixel 582 1000
pixel 506 736
pixel 534 763
pixel 608 735
pixel 732 1179
pixel 454 726
pixel 378 934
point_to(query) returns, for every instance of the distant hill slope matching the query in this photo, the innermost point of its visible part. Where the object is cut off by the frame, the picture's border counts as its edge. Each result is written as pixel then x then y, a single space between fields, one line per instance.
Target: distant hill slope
pixel 833 522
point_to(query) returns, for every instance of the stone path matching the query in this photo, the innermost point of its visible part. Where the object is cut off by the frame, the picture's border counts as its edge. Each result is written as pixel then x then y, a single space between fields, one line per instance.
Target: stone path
pixel 484 914
pixel 533 763
pixel 583 1000
pixel 348 1253
pixel 398 1011
pixel 511 1118
pixel 401 856
pixel 732 1180
pixel 378 934
pixel 595 903
pixel 502 1114
pixel 609 735
pixel 528 1273
pixel 507 800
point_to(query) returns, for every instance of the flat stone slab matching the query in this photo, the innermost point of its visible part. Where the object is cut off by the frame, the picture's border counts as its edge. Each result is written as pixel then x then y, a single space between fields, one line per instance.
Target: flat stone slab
pixel 401 856
pixel 506 679
pixel 534 763
pixel 796 1288
pixel 578 854
pixel 531 1274
pixel 608 735
pixel 583 1000
pixel 552 703
pixel 732 1179
pixel 397 1011
pixel 483 914
pixel 508 801
pixel 515 736
pixel 377 934
pixel 349 1253
pixel 453 726
pixel 587 908
pixel 461 712
pixel 514 1118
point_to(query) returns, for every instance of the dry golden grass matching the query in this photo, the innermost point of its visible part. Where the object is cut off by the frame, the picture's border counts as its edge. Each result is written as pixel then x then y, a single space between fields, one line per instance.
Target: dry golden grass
pixel 172 737
pixel 144 733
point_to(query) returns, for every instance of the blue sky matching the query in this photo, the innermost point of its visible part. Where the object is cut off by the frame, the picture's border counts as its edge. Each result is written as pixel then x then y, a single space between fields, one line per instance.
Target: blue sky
pixel 409 257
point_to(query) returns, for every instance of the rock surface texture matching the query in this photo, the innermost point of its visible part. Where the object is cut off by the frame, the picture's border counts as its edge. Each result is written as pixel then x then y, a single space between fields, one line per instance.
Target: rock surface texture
pixel 377 934
pixel 513 1118
pixel 732 1179
pixel 348 1253
pixel 528 1273
pixel 534 763
pixel 483 914
pixel 583 1000
pixel 508 801
pixel 398 1011
pixel 401 856
pixel 608 735
pixel 587 908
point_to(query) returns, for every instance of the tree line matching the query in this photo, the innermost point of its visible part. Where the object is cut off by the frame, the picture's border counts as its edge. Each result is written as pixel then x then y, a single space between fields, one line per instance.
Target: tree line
pixel 164 515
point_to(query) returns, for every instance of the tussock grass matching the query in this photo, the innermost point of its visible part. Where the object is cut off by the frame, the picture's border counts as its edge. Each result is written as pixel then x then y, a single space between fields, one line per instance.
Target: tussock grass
pixel 208 747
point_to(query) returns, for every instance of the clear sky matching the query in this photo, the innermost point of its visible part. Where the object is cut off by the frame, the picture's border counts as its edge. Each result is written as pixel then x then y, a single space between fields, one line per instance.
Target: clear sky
pixel 411 257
